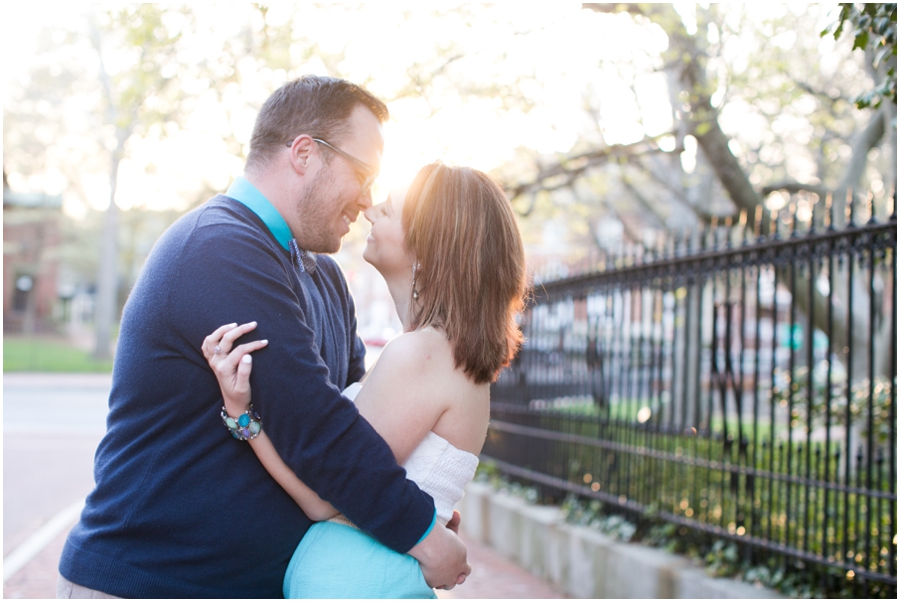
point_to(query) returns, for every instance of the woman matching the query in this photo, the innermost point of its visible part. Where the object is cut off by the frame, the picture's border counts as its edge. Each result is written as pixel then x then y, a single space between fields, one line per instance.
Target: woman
pixel 451 254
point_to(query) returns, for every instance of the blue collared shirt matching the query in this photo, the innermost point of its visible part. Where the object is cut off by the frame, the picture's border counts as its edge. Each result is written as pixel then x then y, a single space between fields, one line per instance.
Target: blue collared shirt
pixel 246 193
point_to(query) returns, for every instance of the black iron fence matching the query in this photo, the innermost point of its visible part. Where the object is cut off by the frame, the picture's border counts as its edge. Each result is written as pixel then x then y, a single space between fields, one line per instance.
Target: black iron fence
pixel 737 384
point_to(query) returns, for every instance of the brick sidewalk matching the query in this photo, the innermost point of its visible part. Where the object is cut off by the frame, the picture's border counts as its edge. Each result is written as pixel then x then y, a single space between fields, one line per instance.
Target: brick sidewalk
pixel 492 577
pixel 37 579
pixel 497 578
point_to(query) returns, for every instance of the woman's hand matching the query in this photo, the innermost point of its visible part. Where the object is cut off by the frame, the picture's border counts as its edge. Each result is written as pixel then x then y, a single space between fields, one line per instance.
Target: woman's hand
pixel 232 366
pixel 232 370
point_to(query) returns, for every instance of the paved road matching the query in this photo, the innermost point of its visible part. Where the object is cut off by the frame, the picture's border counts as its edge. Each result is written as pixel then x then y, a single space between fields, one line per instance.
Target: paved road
pixel 51 427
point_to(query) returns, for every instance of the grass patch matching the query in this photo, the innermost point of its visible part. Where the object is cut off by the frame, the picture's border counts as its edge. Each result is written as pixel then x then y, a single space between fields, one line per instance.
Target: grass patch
pixel 27 354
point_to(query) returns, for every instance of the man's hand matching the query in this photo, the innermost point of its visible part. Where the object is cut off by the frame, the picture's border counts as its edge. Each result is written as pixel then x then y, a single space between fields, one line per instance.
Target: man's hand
pixel 442 556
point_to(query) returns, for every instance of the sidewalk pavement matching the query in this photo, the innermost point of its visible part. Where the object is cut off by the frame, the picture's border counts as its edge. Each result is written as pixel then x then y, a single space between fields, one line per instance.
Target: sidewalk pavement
pixel 492 577
pixel 37 579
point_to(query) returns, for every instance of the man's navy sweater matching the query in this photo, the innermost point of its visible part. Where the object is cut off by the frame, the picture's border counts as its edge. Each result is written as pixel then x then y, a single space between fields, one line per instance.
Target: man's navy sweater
pixel 180 508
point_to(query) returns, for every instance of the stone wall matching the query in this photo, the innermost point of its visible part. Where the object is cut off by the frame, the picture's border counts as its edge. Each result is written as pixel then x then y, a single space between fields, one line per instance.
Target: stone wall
pixel 583 562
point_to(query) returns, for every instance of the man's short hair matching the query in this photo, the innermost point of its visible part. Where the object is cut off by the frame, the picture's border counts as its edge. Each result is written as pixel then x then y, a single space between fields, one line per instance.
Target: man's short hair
pixel 314 105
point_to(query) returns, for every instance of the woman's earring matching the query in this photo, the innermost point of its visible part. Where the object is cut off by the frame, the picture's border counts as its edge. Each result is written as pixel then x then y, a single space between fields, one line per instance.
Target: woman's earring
pixel 415 293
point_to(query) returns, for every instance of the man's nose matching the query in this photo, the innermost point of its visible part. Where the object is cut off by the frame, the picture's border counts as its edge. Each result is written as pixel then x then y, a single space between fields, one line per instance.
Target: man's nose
pixel 365 201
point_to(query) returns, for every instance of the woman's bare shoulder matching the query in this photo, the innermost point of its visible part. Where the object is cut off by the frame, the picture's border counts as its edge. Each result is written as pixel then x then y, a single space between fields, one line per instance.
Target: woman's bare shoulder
pixel 405 393
pixel 416 372
pixel 420 350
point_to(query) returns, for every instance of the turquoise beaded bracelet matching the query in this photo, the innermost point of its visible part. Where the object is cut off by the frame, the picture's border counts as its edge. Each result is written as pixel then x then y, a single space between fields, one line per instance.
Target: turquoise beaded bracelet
pixel 246 426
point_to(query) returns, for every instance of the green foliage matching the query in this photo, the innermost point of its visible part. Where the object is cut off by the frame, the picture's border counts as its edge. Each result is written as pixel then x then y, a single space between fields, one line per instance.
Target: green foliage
pixel 874 27
pixel 487 472
pixel 591 514
pixel 819 403
pixel 720 557
pixel 44 355
pixel 717 496
pixel 143 90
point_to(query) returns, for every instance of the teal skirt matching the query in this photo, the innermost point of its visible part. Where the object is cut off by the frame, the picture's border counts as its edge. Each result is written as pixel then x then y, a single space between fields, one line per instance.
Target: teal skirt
pixel 337 561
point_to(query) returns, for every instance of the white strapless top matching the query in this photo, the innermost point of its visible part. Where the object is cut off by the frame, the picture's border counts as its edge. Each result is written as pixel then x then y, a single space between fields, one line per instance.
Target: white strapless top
pixel 437 467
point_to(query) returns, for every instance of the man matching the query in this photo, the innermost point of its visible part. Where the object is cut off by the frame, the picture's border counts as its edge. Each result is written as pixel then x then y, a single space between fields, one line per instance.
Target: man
pixel 182 509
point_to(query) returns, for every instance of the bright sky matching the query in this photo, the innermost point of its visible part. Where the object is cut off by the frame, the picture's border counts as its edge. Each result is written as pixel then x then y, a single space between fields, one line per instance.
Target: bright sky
pixel 556 46
pixel 561 52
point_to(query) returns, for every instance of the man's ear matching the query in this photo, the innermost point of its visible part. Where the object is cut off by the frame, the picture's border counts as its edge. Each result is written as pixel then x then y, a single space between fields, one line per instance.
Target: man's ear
pixel 301 152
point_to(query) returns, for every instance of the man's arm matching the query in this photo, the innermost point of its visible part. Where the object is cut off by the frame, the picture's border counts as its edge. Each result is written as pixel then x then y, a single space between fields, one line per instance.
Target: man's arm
pixel 357 368
pixel 441 555
pixel 232 276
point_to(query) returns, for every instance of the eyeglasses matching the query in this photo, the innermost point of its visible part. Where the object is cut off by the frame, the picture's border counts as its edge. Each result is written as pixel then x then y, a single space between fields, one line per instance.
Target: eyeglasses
pixel 370 172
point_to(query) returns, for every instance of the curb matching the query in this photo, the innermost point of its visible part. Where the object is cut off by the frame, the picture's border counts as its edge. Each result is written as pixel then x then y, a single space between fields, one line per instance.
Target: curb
pixel 37 541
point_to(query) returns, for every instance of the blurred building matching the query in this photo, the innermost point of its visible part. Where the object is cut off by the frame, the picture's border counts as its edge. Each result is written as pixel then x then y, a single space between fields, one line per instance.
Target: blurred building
pixel 31 242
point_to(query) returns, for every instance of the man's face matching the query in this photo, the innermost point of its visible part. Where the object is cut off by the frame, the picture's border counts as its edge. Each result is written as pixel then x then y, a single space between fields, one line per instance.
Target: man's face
pixel 332 200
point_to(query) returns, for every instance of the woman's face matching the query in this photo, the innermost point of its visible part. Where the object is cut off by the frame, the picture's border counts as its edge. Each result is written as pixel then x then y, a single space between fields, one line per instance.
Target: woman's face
pixel 385 247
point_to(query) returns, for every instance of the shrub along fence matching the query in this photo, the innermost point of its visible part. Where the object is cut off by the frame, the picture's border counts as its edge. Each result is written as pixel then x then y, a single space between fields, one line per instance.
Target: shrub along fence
pixel 735 383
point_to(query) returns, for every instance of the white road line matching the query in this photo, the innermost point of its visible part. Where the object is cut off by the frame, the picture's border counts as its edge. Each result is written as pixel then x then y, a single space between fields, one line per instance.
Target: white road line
pixel 40 539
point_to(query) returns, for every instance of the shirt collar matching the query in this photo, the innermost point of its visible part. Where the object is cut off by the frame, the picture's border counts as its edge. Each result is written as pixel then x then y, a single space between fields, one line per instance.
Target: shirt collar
pixel 247 194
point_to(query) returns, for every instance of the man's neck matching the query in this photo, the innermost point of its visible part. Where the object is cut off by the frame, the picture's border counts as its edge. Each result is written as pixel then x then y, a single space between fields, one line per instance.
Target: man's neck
pixel 268 184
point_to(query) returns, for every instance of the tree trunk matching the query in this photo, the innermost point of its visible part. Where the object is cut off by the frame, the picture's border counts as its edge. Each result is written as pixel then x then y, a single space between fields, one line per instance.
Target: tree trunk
pixel 105 309
pixel 686 55
pixel 850 330
pixel 688 350
pixel 856 167
pixel 889 113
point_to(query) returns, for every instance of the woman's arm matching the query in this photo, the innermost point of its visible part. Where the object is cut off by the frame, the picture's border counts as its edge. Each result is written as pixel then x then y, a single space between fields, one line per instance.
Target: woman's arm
pixel 312 505
pixel 400 400
pixel 232 370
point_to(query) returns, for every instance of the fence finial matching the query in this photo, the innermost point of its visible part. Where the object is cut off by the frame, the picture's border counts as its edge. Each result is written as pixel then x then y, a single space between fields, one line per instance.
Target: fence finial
pixel 871 208
pixel 757 222
pixel 848 210
pixel 792 213
pixel 829 212
pixel 742 226
pixel 812 212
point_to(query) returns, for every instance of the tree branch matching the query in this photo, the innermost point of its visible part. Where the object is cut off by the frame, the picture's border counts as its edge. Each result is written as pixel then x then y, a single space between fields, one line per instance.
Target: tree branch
pixel 609 7
pixel 571 168
pixel 793 188
pixel 677 193
pixel 656 220
pixel 832 100
pixel 417 81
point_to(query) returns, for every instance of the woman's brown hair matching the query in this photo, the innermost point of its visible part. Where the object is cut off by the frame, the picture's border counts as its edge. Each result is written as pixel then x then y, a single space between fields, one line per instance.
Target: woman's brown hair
pixel 471 276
